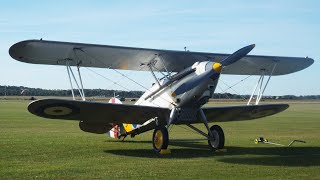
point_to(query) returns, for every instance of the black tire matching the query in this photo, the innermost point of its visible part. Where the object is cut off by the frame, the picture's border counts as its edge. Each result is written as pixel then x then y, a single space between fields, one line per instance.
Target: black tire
pixel 160 139
pixel 218 136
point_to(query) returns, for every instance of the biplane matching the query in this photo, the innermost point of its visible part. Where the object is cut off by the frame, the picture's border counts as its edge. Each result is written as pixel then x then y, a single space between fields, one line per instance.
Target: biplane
pixel 189 80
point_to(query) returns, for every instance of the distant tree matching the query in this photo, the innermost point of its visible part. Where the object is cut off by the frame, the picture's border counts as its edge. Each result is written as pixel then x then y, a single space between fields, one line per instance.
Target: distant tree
pixel 21 90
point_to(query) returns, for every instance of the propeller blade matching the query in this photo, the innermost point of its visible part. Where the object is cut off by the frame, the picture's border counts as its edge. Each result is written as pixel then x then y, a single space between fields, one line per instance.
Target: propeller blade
pixel 237 55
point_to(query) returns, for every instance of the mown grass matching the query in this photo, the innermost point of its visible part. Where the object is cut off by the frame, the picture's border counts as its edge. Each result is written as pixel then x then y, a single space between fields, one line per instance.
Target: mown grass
pixel 32 147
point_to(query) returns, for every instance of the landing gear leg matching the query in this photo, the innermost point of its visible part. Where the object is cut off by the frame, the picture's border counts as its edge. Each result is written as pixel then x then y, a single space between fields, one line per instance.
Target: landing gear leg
pixel 215 134
pixel 160 139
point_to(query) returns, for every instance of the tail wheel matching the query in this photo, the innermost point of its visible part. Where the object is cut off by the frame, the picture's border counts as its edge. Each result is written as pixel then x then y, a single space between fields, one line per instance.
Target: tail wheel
pixel 217 141
pixel 160 139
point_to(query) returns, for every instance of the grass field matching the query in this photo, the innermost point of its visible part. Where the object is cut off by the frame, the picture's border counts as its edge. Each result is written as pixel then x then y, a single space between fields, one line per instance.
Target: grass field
pixel 32 147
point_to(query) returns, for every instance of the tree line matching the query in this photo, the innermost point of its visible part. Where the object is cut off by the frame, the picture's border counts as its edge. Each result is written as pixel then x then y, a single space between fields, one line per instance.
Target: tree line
pixel 26 91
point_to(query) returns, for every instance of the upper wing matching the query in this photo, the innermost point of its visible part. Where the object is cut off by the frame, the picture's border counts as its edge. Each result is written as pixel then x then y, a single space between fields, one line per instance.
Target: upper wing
pixel 96 112
pixel 128 58
pixel 238 113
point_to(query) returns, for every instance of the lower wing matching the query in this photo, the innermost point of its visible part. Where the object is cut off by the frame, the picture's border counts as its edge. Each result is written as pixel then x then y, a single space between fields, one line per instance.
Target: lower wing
pixel 239 113
pixel 97 117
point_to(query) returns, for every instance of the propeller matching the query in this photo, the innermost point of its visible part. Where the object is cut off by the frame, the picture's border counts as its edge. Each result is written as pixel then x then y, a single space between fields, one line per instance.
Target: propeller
pixel 216 69
pixel 237 55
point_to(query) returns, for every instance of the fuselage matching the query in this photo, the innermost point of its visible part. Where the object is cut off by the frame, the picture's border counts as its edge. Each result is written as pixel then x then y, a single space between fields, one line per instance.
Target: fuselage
pixel 193 98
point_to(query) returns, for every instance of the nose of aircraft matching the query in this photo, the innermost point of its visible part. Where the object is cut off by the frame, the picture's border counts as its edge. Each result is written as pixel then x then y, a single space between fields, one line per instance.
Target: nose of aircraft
pixel 217 67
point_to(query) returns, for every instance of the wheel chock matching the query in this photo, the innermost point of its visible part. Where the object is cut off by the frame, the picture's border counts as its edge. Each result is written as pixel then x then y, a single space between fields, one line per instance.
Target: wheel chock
pixel 165 151
pixel 220 150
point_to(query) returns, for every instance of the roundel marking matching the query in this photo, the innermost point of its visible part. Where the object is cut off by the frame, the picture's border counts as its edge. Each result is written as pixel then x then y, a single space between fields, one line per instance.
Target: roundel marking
pixel 57 111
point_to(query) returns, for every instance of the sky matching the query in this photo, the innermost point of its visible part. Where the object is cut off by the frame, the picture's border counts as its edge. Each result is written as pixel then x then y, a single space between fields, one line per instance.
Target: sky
pixel 278 28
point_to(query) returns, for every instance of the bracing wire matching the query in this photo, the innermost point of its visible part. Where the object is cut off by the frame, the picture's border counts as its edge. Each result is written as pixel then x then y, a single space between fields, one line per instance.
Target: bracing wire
pixel 116 83
pixel 109 67
pixel 119 73
pixel 231 87
pixel 104 77
pixel 242 80
pixel 224 93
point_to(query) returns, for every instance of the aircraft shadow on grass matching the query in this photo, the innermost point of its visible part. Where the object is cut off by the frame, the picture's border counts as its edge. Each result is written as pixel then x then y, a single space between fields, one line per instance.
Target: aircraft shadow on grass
pixel 267 156
pixel 273 156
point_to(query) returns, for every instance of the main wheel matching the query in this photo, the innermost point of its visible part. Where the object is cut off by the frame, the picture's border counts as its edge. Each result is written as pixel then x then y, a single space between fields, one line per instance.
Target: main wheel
pixel 160 139
pixel 217 141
